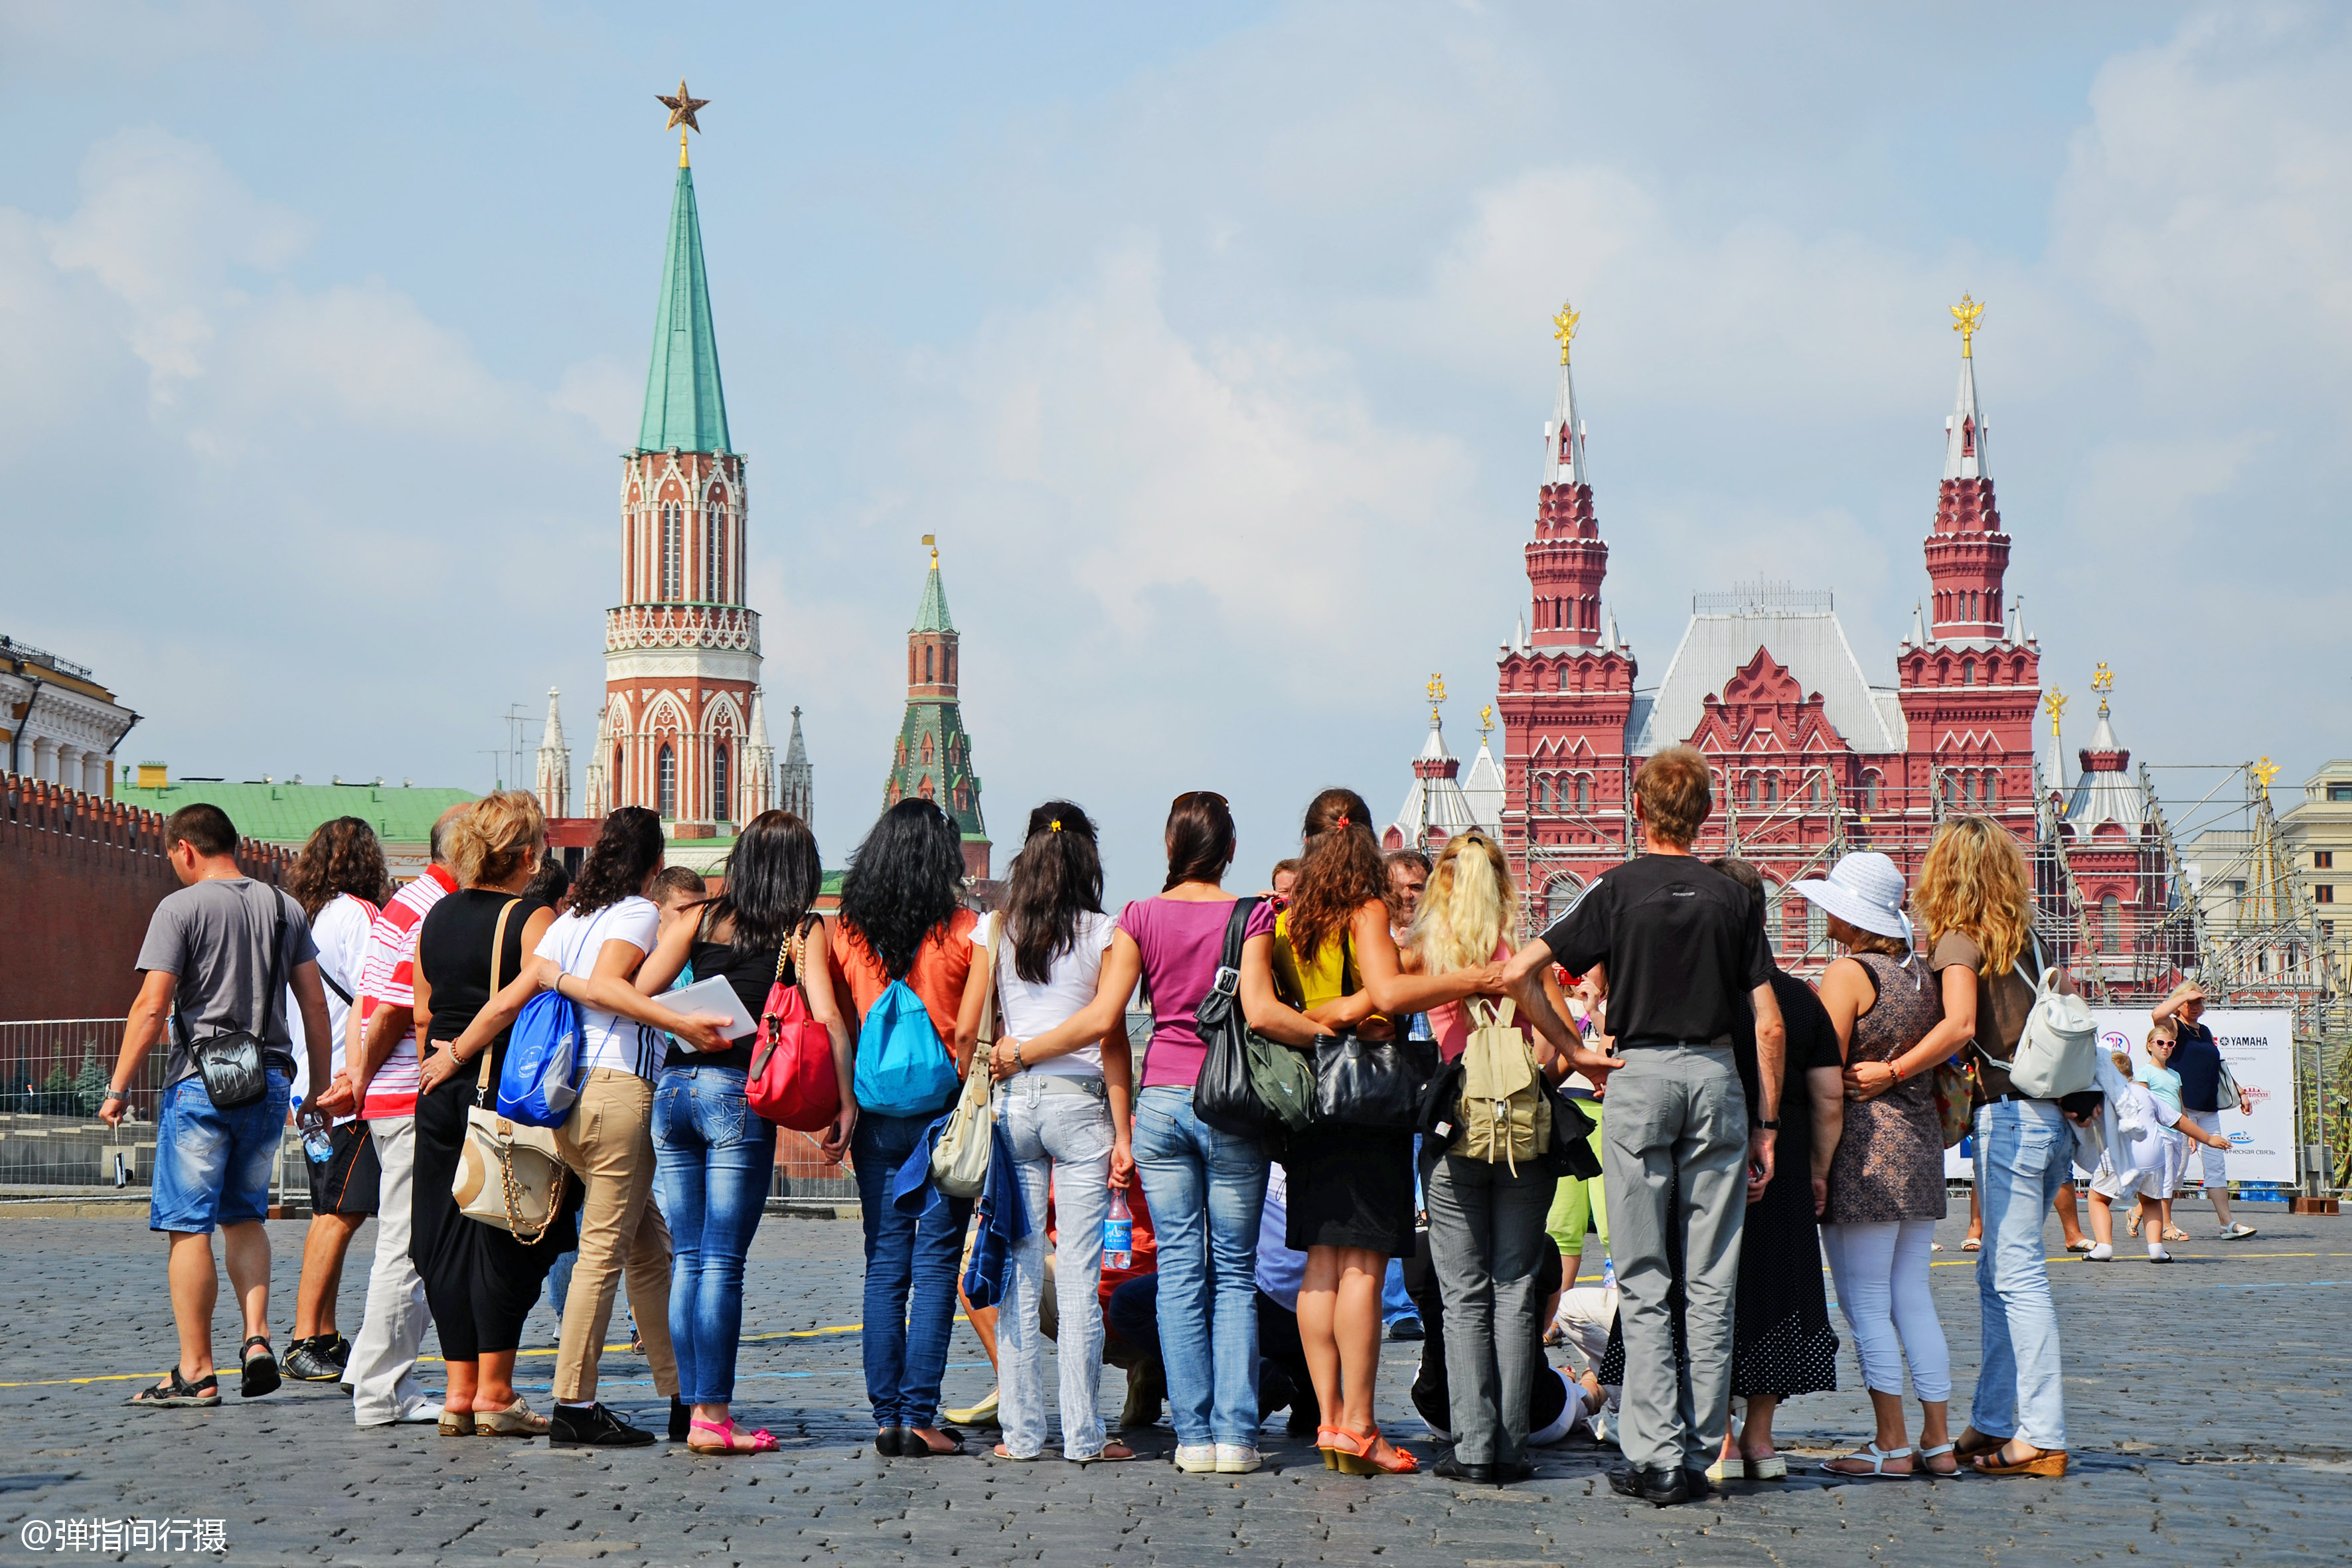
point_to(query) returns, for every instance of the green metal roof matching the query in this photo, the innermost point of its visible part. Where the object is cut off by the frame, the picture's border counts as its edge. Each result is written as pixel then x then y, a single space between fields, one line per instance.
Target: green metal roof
pixel 684 405
pixel 933 615
pixel 289 813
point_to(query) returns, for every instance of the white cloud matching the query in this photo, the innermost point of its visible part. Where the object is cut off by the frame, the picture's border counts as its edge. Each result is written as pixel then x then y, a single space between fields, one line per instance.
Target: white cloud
pixel 606 394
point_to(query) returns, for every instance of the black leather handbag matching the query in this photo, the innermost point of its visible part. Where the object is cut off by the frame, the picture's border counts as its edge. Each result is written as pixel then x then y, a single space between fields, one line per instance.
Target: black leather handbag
pixel 1372 1083
pixel 1249 1085
pixel 234 1066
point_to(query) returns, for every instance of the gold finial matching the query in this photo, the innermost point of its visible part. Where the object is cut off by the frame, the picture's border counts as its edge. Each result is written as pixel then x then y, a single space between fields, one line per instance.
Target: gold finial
pixel 1563 327
pixel 2103 680
pixel 681 115
pixel 1964 322
pixel 933 541
pixel 2055 704
pixel 2263 772
pixel 1436 689
pixel 1486 722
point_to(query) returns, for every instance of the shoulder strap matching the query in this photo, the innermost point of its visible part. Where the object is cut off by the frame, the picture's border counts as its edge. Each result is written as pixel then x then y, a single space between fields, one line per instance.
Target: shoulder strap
pixel 275 988
pixel 497 953
pixel 988 1010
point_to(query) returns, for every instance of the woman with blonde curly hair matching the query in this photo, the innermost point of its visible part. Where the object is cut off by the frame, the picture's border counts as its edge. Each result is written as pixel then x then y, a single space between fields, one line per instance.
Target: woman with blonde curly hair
pixel 1486 1231
pixel 1977 901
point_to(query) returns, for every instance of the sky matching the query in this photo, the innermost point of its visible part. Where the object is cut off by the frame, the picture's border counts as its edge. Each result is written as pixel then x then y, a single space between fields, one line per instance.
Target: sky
pixel 1212 342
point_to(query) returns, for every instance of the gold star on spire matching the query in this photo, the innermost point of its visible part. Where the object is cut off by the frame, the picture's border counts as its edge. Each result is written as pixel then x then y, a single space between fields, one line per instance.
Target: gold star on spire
pixel 1563 328
pixel 681 114
pixel 1965 316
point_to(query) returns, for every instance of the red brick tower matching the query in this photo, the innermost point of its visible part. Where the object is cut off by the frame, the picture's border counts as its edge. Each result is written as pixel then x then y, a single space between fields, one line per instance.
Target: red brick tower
pixel 682 648
pixel 1566 688
pixel 1971 677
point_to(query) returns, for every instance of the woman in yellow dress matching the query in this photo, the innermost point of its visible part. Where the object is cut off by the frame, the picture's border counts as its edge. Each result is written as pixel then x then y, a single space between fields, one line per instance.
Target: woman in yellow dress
pixel 1333 959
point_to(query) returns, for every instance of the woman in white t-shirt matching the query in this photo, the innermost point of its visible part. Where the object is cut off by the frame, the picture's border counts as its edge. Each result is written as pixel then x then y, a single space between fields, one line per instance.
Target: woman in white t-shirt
pixel 591 955
pixel 1064 1082
pixel 338 880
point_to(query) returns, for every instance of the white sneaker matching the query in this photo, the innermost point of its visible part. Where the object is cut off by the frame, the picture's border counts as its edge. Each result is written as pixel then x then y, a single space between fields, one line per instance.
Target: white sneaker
pixel 2103 1253
pixel 1235 1458
pixel 1196 1458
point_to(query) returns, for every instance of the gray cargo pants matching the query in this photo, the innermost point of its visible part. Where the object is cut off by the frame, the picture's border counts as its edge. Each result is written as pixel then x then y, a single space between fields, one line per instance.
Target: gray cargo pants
pixel 1673 1150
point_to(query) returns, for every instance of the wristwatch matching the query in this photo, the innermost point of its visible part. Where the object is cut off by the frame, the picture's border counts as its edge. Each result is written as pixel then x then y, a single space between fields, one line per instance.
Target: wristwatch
pixel 1772 1126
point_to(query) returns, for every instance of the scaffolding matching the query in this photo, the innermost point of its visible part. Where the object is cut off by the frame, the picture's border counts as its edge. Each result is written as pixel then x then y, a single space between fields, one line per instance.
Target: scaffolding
pixel 2212 896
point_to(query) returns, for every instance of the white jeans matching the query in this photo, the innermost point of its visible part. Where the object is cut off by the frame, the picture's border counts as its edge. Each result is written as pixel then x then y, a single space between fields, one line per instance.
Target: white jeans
pixel 1881 1274
pixel 1067 1135
pixel 2215 1161
pixel 382 1369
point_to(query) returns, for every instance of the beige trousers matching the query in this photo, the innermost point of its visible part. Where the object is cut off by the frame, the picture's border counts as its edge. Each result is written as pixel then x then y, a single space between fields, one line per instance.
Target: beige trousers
pixel 608 1142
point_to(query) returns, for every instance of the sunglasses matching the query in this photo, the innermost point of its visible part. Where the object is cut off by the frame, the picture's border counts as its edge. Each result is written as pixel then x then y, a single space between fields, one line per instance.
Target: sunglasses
pixel 1191 795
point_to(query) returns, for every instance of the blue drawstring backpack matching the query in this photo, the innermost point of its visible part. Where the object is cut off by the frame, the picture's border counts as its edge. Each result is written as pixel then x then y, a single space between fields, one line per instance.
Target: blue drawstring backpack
pixel 902 1069
pixel 541 1077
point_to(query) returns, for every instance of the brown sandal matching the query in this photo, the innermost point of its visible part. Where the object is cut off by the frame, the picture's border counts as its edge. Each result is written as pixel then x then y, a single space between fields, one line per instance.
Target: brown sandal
pixel 2047 1463
pixel 1972 1442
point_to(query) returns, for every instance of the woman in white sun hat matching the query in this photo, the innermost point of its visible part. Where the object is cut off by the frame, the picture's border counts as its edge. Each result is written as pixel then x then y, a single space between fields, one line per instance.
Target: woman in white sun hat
pixel 1886 1178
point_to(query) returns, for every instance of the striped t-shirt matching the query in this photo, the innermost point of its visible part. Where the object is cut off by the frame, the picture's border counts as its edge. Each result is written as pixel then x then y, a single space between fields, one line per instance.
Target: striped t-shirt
pixel 389 981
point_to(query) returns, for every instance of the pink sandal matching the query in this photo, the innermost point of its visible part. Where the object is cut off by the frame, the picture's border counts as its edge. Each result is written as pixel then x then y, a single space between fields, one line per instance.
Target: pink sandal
pixel 762 1441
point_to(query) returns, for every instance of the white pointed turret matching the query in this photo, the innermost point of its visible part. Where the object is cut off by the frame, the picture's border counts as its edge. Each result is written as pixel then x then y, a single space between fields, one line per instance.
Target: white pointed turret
pixel 1520 635
pixel 1564 433
pixel 759 785
pixel 1918 637
pixel 600 788
pixel 1435 808
pixel 1964 431
pixel 796 782
pixel 1608 643
pixel 554 762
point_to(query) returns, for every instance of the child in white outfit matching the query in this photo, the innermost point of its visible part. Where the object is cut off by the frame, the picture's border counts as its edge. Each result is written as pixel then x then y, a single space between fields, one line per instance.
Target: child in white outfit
pixel 2143 1159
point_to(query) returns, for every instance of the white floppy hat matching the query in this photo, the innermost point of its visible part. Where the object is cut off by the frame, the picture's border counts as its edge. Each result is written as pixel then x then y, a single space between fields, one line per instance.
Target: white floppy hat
pixel 1865 890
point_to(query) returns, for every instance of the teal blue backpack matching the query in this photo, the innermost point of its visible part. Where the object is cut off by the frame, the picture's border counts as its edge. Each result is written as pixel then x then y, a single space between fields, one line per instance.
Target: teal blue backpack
pixel 902 1069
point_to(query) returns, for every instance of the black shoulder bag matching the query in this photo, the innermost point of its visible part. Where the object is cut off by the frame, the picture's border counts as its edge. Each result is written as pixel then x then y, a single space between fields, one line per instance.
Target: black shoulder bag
pixel 1249 1085
pixel 1360 1082
pixel 234 1066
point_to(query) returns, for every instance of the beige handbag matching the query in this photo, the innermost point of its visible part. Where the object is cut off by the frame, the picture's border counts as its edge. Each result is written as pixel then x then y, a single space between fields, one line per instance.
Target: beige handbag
pixel 508 1177
pixel 959 1163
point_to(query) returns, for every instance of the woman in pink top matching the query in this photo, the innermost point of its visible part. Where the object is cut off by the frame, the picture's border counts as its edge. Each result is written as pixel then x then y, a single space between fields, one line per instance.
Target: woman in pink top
pixel 1205 1188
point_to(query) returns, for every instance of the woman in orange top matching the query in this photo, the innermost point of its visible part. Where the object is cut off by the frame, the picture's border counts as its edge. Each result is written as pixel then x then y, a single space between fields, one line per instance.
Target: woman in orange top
pixel 902 918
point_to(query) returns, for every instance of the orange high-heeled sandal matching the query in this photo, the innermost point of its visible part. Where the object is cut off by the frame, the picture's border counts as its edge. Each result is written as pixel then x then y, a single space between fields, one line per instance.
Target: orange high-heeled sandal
pixel 1353 1455
pixel 1324 1444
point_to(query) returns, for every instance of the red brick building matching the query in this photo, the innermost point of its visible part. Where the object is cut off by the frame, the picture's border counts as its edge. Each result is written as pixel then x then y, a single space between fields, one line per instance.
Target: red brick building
pixel 1812 756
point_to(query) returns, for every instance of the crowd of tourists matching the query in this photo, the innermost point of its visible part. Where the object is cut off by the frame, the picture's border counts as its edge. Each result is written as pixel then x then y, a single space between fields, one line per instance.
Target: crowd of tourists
pixel 1356 1073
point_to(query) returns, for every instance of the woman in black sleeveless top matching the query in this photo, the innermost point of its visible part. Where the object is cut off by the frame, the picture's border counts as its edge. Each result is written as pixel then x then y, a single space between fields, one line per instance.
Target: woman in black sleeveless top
pixel 713 1158
pixel 479 1282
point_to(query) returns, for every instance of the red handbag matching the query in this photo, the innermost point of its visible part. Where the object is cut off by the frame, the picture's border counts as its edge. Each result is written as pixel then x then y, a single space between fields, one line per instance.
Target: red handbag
pixel 791 1081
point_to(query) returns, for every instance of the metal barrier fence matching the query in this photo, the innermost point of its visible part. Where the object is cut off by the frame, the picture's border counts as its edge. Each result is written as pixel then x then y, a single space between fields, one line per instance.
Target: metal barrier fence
pixel 55 1071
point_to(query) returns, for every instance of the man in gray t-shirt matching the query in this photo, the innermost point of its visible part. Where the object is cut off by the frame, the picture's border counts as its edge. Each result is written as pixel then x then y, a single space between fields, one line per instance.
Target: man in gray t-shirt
pixel 218 955
pixel 221 939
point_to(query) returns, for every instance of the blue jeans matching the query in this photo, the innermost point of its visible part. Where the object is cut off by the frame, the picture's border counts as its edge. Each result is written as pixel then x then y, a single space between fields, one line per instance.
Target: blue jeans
pixel 712 1164
pixel 1207 1190
pixel 2024 1150
pixel 213 1167
pixel 911 1274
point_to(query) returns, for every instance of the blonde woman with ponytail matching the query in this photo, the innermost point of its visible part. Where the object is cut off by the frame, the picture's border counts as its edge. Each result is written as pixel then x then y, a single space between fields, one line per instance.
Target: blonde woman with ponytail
pixel 1486 1229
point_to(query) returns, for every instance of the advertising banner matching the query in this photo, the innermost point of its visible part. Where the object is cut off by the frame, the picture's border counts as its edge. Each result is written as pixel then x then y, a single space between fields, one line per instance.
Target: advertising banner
pixel 2259 1046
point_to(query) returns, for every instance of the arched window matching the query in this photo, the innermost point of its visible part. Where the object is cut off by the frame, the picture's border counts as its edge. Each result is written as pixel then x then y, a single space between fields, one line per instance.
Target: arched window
pixel 672 560
pixel 1870 782
pixel 713 525
pixel 620 755
pixel 1584 792
pixel 1813 790
pixel 1967 672
pixel 721 802
pixel 666 786
pixel 929 674
pixel 1993 788
pixel 2111 924
pixel 1772 789
pixel 926 790
pixel 926 751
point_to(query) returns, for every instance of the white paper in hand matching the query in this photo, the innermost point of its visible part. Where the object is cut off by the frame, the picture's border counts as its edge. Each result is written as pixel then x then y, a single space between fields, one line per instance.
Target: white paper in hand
pixel 714 996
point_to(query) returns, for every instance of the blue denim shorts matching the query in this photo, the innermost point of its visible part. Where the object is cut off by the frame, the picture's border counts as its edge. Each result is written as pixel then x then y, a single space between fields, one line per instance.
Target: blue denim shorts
pixel 213 1167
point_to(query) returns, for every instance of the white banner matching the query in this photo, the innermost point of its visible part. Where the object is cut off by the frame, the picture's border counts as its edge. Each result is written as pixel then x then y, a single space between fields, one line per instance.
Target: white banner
pixel 2259 1046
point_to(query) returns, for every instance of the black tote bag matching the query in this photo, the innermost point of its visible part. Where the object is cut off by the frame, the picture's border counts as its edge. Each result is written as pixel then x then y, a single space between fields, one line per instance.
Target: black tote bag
pixel 1249 1085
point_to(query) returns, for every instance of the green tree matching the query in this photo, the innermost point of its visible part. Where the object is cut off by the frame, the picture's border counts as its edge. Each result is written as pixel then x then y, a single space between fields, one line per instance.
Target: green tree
pixel 89 1084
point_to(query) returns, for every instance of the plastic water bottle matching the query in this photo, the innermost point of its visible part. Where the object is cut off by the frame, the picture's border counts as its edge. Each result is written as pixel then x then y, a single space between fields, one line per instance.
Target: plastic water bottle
pixel 1118 1233
pixel 1609 1273
pixel 317 1144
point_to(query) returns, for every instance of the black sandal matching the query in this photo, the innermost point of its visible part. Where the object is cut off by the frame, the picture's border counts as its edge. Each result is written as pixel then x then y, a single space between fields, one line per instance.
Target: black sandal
pixel 917 1446
pixel 176 1392
pixel 260 1371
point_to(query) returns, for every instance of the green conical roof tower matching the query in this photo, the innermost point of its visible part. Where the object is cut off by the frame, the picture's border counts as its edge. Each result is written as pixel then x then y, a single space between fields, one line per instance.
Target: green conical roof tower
pixel 685 407
pixel 933 757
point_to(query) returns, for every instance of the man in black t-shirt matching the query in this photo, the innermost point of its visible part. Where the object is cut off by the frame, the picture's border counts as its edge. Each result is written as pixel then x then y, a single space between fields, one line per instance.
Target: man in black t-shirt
pixel 1683 951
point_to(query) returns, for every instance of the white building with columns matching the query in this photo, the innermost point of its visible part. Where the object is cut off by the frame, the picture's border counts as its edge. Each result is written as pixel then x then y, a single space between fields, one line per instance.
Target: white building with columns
pixel 57 724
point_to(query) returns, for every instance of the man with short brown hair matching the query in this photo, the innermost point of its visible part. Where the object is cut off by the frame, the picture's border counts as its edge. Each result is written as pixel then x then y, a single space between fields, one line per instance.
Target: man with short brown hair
pixel 1685 958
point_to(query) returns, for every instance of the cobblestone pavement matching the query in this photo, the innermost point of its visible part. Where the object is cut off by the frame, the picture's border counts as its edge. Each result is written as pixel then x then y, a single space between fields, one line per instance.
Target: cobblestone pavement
pixel 2206 1404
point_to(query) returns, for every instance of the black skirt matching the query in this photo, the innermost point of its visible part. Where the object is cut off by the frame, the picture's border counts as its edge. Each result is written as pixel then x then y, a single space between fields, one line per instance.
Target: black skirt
pixel 479 1282
pixel 1350 1186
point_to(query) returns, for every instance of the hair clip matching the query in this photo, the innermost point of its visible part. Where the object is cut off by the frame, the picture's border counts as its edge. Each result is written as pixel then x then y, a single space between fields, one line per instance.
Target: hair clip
pixel 1056 826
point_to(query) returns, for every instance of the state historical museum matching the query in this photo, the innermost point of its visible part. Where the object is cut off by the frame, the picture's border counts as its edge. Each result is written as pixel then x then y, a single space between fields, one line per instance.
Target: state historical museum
pixel 1811 758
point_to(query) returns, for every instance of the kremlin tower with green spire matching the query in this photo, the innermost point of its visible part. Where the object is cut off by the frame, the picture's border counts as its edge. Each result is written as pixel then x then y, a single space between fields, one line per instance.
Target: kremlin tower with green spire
pixel 682 647
pixel 933 760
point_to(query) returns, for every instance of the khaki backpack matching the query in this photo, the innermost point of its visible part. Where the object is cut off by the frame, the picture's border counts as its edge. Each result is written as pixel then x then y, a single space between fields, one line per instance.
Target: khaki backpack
pixel 1506 1115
